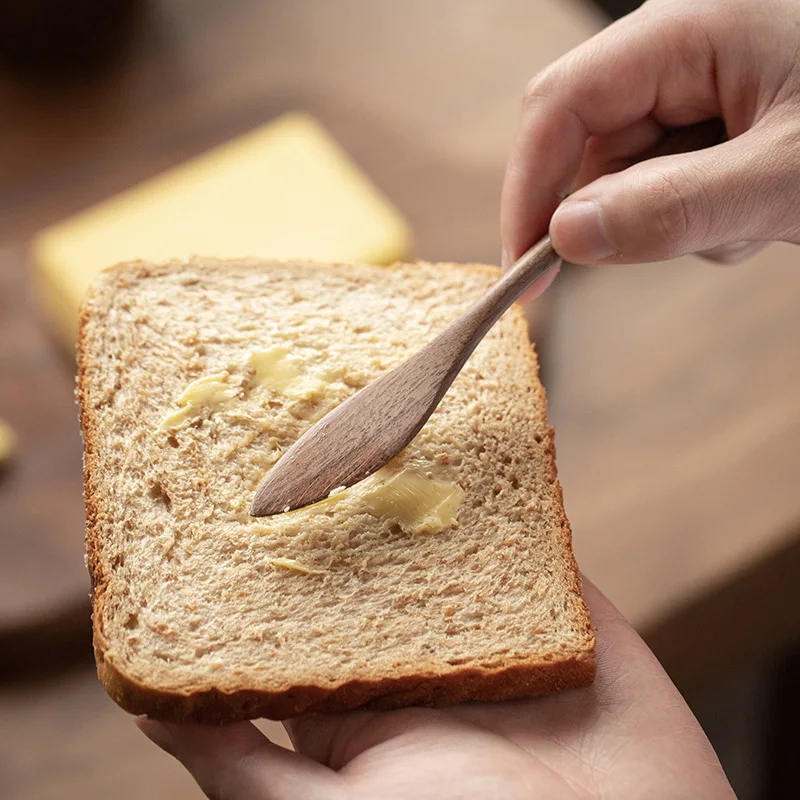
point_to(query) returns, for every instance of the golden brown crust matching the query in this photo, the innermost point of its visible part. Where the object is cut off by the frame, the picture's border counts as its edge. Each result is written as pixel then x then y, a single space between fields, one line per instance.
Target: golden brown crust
pixel 96 575
pixel 211 705
pixel 215 707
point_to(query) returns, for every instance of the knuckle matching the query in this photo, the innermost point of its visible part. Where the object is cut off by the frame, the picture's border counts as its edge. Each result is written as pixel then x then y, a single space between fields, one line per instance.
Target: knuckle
pixel 786 147
pixel 538 87
pixel 786 171
pixel 674 207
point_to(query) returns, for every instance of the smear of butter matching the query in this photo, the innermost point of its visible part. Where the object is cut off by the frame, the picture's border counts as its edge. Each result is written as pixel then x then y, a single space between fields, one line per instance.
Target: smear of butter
pixel 408 497
pixel 418 504
pixel 278 370
pixel 273 368
pixel 209 391
pixel 294 566
pixel 310 387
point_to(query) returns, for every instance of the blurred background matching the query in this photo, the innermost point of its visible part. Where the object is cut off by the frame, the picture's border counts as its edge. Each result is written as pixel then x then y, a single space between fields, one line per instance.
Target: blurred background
pixel 674 388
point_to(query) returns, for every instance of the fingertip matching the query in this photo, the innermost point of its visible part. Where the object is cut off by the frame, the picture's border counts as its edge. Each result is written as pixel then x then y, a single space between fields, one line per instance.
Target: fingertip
pixel 541 286
pixel 158 733
pixel 190 740
pixel 240 758
pixel 579 234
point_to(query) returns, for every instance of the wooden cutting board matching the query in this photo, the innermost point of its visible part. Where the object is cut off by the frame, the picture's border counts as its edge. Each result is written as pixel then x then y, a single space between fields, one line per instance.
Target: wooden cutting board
pixel 43 582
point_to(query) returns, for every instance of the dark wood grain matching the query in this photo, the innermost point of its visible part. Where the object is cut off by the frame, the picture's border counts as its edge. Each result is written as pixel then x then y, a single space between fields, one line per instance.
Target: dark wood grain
pixel 370 428
pixel 42 576
pixel 674 393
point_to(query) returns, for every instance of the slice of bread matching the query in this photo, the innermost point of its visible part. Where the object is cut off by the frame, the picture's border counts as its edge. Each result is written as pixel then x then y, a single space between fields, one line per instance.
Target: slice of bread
pixel 457 584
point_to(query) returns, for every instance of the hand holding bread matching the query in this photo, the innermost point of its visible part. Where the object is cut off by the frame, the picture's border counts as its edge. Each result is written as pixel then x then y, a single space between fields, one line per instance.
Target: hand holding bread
pixel 629 735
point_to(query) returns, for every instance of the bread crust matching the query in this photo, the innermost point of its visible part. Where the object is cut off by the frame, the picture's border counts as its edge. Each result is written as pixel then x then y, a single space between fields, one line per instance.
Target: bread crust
pixel 211 705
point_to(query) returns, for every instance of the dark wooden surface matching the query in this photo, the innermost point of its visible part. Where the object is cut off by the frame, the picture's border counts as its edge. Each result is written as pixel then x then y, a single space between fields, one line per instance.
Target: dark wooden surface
pixel 674 388
pixel 674 392
pixel 43 580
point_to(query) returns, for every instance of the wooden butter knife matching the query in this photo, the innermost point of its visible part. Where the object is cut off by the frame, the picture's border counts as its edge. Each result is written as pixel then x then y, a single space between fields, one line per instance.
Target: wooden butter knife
pixel 370 428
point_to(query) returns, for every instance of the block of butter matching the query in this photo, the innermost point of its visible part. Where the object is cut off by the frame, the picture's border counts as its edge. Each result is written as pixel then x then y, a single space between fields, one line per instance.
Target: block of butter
pixel 7 441
pixel 283 191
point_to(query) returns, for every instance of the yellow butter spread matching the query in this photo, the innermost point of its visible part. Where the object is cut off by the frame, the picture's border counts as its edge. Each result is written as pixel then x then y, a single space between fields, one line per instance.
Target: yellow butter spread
pixel 418 504
pixel 415 495
pixel 293 566
pixel 7 441
pixel 408 497
pixel 209 391
pixel 287 376
pixel 273 368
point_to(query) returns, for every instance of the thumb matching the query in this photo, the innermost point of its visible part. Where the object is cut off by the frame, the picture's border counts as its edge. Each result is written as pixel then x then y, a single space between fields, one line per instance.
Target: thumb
pixel 745 189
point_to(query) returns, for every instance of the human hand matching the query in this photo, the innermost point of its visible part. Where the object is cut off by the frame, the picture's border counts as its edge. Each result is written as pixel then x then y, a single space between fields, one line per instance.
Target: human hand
pixel 630 735
pixel 596 124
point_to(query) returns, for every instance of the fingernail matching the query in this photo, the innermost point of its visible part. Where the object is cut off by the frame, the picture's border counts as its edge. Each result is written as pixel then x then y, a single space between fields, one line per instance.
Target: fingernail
pixel 577 228
pixel 541 286
pixel 505 261
pixel 158 733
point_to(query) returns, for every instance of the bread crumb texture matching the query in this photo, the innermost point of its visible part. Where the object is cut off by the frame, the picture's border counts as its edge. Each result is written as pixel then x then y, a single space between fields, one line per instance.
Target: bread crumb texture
pixel 194 378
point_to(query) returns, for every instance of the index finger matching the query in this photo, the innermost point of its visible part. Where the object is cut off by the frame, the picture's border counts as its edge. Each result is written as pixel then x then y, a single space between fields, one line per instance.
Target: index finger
pixel 644 65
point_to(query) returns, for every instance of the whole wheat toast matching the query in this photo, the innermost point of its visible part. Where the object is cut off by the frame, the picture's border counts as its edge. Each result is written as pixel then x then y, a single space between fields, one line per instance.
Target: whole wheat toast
pixel 203 613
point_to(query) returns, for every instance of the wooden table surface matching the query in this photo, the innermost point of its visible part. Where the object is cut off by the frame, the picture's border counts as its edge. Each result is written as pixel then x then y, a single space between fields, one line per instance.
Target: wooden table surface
pixel 41 507
pixel 673 387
